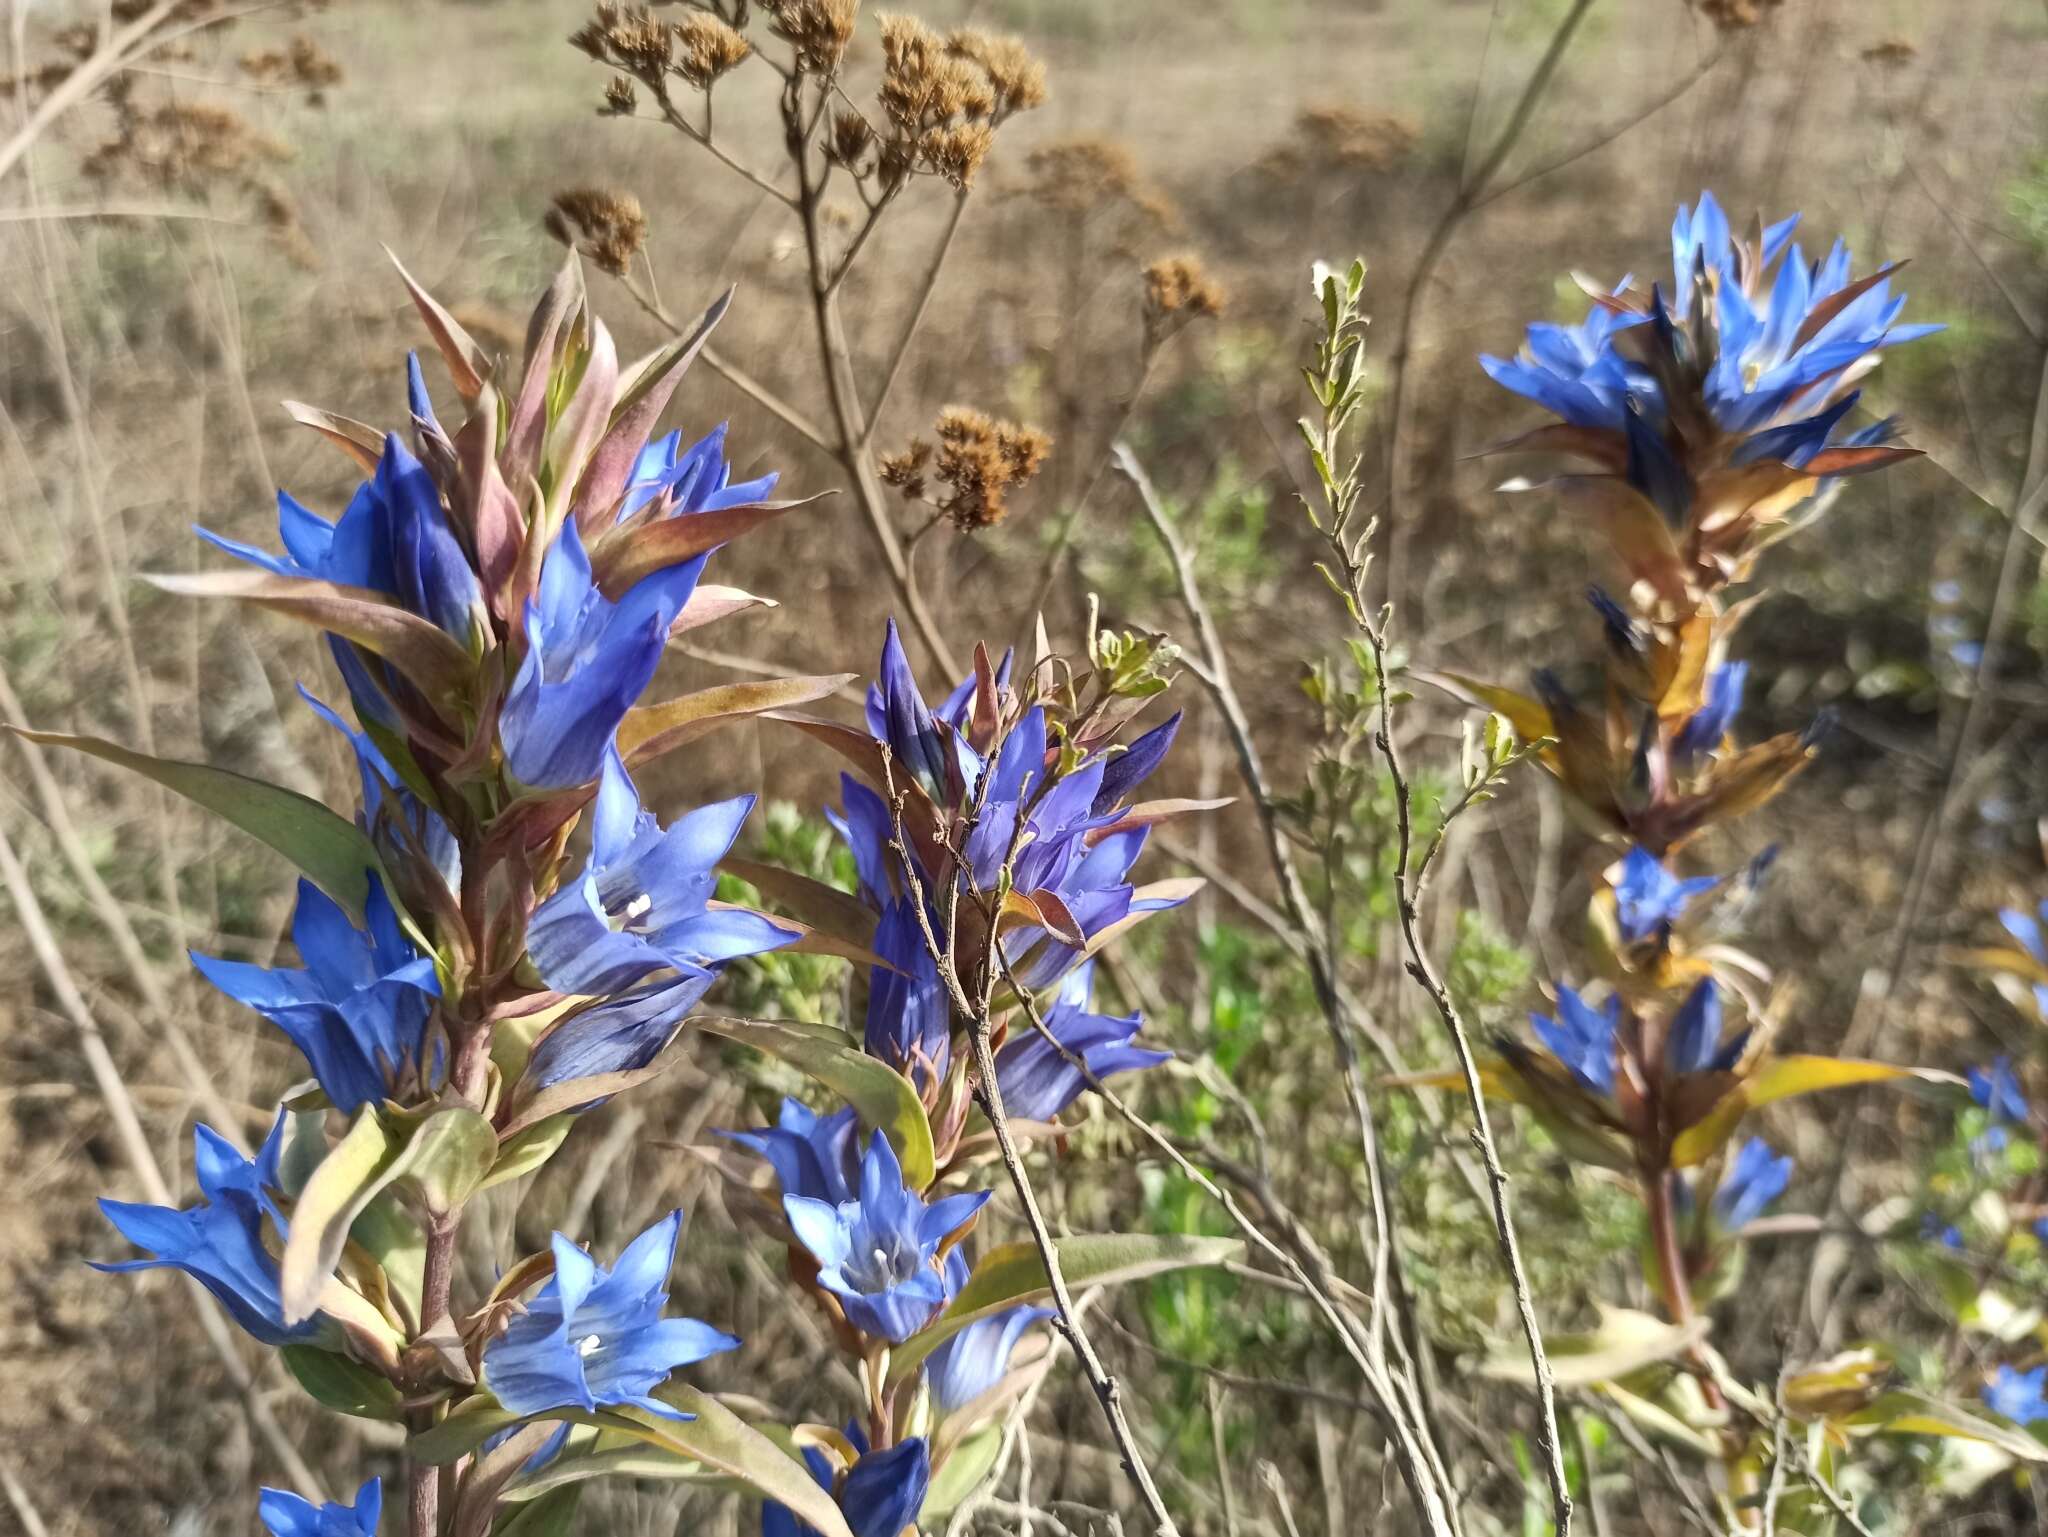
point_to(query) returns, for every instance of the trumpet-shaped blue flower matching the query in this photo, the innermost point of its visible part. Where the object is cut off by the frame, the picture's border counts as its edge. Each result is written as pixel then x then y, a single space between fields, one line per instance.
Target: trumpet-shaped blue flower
pixel 2027 929
pixel 2018 1395
pixel 866 826
pixel 909 1017
pixel 1037 1082
pixel 679 481
pixel 592 1337
pixel 975 1359
pixel 1706 728
pixel 1997 1089
pixel 1694 1045
pixel 898 715
pixel 620 1035
pixel 878 1254
pixel 1582 1037
pixel 286 1514
pixel 1756 1177
pixel 1648 898
pixel 382 787
pixel 879 1496
pixel 1576 372
pixel 812 1154
pixel 639 906
pixel 587 661
pixel 358 1006
pixel 219 1242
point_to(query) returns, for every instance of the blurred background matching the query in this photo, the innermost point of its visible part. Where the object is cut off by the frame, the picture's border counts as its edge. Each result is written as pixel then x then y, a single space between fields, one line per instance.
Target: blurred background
pixel 194 236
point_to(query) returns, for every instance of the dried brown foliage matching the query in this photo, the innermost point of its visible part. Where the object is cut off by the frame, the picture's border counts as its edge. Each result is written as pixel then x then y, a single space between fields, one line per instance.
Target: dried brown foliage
pixel 605 226
pixel 708 49
pixel 1339 135
pixel 1086 177
pixel 819 30
pixel 1178 290
pixel 978 460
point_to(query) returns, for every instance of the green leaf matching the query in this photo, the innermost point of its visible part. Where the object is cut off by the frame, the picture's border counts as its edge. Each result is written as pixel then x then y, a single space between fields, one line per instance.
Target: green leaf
pixel 1905 1412
pixel 1788 1077
pixel 553 1515
pixel 961 1474
pixel 883 1096
pixel 529 1150
pixel 387 1232
pixel 336 1382
pixel 441 1158
pixel 1011 1273
pixel 1624 1341
pixel 611 1453
pixel 468 1425
pixel 720 1439
pixel 331 851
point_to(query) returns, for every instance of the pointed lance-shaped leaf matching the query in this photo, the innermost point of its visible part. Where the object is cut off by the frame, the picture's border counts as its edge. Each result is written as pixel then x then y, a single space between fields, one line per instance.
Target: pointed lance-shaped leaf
pixel 625 555
pixel 648 731
pixel 467 362
pixel 359 440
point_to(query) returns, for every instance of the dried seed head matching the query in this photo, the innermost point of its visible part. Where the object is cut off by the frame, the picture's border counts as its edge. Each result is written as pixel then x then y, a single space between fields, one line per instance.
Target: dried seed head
pixel 300 65
pixel 1732 15
pixel 1016 78
pixel 1083 177
pixel 956 153
pixel 620 99
pixel 707 49
pixel 1892 53
pixel 1340 134
pixel 851 137
pixel 628 38
pixel 819 30
pixel 607 227
pixel 978 461
pixel 1177 291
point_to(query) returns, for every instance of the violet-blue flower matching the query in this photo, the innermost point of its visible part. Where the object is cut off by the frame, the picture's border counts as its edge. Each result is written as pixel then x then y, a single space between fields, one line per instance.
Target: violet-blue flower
pixel 1037 1082
pixel 812 1154
pixel 879 1495
pixel 679 481
pixel 975 1359
pixel 1582 1037
pixel 285 1514
pixel 1756 1176
pixel 1648 898
pixel 2018 1395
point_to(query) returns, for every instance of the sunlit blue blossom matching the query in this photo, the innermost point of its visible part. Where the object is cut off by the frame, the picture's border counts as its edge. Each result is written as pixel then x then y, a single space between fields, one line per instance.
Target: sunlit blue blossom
pixel 683 481
pixel 909 1017
pixel 288 1515
pixel 428 830
pixel 1694 1045
pixel 620 1035
pixel 812 1154
pixel 639 905
pixel 898 716
pixel 592 1337
pixel 1037 1082
pixel 2018 1395
pixel 1648 898
pixel 975 1359
pixel 880 1495
pixel 587 661
pixel 1707 726
pixel 1576 372
pixel 219 1242
pixel 878 1254
pixel 1755 1177
pixel 357 1008
pixel 1582 1037
pixel 2027 928
pixel 1997 1089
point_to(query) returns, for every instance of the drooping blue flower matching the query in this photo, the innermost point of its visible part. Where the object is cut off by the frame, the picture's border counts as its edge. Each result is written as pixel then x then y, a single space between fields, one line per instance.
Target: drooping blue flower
pixel 878 1254
pixel 909 1017
pixel 1582 1037
pixel 1694 1045
pixel 357 1007
pixel 1706 728
pixel 684 481
pixel 812 1154
pixel 1134 765
pixel 288 1515
pixel 1576 372
pixel 898 716
pixel 587 661
pixel 1997 1089
pixel 620 1035
pixel 592 1337
pixel 1037 1082
pixel 1648 898
pixel 975 1359
pixel 219 1242
pixel 639 905
pixel 2018 1395
pixel 1756 1177
pixel 880 1495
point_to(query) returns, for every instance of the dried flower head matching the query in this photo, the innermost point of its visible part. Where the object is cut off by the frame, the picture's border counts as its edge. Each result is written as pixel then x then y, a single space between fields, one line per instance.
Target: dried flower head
pixel 607 227
pixel 1084 177
pixel 944 97
pixel 1177 291
pixel 1892 53
pixel 629 39
pixel 851 139
pixel 1016 77
pixel 1731 15
pixel 301 65
pixel 1350 137
pixel 620 99
pixel 706 49
pixel 819 30
pixel 978 460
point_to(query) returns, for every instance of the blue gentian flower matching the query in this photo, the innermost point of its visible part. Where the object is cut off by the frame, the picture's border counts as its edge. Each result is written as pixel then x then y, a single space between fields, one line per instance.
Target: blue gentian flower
pixel 1134 765
pixel 620 1035
pixel 1756 1177
pixel 1575 372
pixel 1706 728
pixel 639 906
pixel 812 1154
pixel 357 1008
pixel 288 1515
pixel 898 715
pixel 880 1495
pixel 1037 1083
pixel 975 1359
pixel 2027 929
pixel 1648 898
pixel 219 1242
pixel 1694 1045
pixel 592 1337
pixel 382 786
pixel 587 661
pixel 909 1016
pixel 2018 1395
pixel 1997 1089
pixel 867 827
pixel 1935 1230
pixel 683 481
pixel 878 1254
pixel 1582 1037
